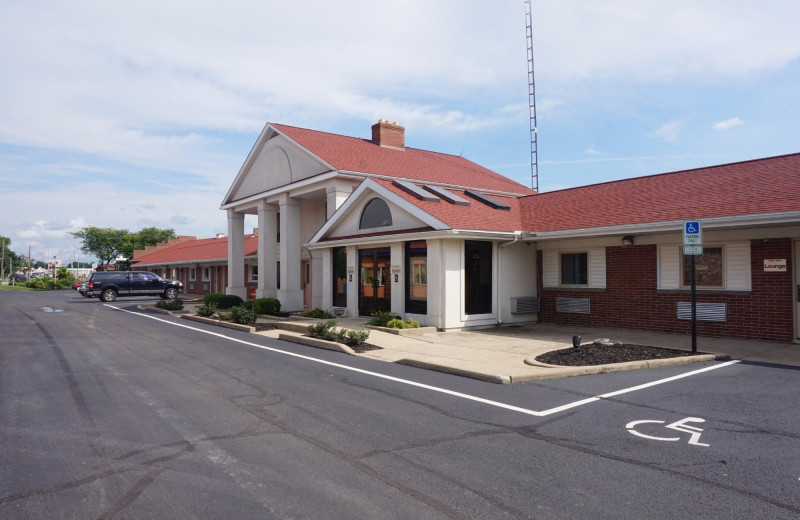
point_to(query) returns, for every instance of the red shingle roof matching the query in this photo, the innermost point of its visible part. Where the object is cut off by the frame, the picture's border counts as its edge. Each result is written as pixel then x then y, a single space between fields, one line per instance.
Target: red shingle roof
pixel 364 156
pixel 476 216
pixel 205 249
pixel 744 188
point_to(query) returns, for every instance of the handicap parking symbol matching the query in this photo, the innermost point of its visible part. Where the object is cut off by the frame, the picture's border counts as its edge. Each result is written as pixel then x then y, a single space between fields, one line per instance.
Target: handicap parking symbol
pixel 692 227
pixel 680 426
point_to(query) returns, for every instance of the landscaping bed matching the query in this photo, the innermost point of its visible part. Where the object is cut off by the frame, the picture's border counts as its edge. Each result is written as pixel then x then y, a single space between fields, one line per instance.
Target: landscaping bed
pixel 607 352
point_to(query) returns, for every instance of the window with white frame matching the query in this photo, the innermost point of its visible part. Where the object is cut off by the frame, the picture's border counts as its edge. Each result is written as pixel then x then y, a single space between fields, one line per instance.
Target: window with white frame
pixel 571 268
pixel 192 274
pixel 708 268
pixel 721 266
pixel 206 274
pixel 574 268
pixel 254 273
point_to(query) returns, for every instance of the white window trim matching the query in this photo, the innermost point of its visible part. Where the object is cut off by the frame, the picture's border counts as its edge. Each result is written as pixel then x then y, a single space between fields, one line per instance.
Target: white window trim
pixel 596 268
pixel 735 260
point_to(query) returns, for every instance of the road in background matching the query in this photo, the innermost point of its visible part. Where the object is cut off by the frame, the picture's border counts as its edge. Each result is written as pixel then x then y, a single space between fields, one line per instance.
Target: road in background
pixel 111 414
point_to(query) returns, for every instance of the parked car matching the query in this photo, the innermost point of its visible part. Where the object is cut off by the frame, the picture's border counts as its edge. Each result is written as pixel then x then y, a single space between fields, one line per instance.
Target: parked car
pixel 76 285
pixel 82 290
pixel 17 278
pixel 108 285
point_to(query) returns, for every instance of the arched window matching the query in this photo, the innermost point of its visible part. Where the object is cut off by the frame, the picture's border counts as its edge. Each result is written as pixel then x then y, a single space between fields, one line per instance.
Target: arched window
pixel 376 214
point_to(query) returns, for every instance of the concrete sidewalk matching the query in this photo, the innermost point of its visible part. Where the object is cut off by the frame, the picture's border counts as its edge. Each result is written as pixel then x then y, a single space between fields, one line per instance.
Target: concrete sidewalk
pixel 505 354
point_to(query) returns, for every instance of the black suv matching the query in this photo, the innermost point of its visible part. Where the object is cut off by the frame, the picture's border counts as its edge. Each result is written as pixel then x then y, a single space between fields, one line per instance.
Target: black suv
pixel 110 284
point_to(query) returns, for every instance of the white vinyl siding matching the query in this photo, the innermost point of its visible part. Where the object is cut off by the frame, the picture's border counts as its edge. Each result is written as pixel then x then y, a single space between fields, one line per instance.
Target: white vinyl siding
pixel 736 262
pixel 596 268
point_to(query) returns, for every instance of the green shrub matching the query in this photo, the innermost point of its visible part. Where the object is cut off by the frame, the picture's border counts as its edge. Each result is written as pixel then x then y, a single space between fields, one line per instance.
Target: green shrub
pixel 212 299
pixel 354 338
pixel 317 313
pixel 381 318
pixel 266 305
pixel 411 323
pixel 207 310
pixel 228 301
pixel 242 315
pixel 396 324
pixel 326 330
pixel 225 316
pixel 170 305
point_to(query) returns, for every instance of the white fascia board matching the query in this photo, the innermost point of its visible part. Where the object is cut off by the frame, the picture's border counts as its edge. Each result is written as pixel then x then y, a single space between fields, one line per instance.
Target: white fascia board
pixel 676 226
pixel 462 234
pixel 248 161
pixel 299 185
pixel 371 185
pixel 380 239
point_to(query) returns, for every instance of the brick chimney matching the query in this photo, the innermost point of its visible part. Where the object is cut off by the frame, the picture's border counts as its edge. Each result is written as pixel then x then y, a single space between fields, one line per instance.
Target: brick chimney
pixel 389 134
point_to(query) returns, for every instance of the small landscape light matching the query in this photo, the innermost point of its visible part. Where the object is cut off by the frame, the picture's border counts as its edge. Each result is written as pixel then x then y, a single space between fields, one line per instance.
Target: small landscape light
pixel 576 341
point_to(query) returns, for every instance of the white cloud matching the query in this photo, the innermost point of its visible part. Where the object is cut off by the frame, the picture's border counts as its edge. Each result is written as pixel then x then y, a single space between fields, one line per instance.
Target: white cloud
pixel 728 124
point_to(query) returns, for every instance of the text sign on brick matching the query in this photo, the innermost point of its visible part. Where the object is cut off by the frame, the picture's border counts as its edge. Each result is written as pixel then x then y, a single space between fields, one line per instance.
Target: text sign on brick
pixel 692 233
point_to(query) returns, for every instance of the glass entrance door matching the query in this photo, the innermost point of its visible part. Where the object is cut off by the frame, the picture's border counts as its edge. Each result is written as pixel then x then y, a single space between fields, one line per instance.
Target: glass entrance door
pixel 374 283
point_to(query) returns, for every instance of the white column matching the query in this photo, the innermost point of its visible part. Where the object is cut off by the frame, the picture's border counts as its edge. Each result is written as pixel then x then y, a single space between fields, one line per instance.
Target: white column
pixel 290 294
pixel 236 255
pixel 317 280
pixel 397 264
pixel 352 281
pixel 267 250
pixel 336 193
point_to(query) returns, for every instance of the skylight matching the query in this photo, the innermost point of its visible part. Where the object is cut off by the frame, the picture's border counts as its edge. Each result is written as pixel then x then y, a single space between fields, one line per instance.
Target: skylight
pixel 492 203
pixel 446 195
pixel 416 191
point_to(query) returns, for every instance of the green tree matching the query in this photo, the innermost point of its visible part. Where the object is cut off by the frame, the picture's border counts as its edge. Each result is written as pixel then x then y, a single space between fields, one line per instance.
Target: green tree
pixel 107 244
pixel 104 243
pixel 10 258
pixel 147 237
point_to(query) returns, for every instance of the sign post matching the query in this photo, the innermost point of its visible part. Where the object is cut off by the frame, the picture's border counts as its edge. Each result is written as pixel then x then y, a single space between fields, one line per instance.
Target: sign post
pixel 693 246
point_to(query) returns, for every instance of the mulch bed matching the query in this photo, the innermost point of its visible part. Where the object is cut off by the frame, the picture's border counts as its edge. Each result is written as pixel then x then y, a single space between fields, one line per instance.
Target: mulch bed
pixel 364 347
pixel 603 353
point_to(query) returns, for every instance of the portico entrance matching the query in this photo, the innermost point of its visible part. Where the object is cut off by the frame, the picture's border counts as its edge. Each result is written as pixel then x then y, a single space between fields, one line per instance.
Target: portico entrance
pixel 373 281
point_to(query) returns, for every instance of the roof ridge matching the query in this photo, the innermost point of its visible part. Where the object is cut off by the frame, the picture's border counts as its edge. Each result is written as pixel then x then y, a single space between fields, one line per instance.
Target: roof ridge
pixel 664 174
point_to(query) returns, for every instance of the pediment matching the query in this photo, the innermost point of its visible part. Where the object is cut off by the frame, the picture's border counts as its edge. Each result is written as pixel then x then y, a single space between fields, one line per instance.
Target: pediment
pixel 347 221
pixel 275 161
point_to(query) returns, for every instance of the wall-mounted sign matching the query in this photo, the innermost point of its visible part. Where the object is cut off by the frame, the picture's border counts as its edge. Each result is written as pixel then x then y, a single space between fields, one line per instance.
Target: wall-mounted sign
pixel 775 265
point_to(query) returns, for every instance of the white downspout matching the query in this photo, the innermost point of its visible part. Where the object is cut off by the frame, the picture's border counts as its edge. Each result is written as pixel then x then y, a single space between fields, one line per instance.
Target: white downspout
pixel 517 235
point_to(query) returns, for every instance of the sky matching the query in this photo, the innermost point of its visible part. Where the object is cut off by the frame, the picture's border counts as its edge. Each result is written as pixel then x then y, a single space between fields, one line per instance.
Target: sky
pixel 135 114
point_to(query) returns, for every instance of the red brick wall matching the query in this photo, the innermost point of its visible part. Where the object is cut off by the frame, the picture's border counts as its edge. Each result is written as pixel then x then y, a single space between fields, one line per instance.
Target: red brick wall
pixel 631 299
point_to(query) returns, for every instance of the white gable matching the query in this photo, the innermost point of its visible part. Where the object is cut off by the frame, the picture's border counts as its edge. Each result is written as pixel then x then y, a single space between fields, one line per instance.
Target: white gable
pixel 273 162
pixel 405 216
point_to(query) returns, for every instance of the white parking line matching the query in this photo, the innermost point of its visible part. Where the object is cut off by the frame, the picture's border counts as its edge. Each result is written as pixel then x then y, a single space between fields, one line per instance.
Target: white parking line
pixel 435 388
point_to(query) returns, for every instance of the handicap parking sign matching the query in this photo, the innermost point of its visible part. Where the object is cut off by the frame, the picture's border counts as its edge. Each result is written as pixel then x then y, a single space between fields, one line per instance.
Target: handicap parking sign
pixel 692 233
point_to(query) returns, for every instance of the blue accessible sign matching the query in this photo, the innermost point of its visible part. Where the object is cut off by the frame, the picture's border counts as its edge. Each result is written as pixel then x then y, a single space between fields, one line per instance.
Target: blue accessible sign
pixel 692 233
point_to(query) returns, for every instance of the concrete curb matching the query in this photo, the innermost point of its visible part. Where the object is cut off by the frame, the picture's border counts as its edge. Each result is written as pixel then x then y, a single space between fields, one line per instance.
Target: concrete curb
pixel 402 332
pixel 220 323
pixel 567 371
pixel 482 376
pixel 316 342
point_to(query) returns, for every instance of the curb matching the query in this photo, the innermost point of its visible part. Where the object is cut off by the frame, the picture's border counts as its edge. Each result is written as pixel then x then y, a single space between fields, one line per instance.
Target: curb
pixel 491 378
pixel 402 332
pixel 315 342
pixel 220 323
pixel 567 371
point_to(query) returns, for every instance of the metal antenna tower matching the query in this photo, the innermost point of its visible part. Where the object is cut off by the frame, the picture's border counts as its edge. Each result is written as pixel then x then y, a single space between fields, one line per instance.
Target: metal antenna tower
pixel 532 97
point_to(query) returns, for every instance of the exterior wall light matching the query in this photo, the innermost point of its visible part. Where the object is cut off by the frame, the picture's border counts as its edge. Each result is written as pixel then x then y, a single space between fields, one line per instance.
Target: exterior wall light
pixel 627 240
